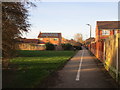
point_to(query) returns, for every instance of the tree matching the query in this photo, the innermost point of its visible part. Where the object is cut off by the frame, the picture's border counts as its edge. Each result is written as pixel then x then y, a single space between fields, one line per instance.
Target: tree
pixel 67 46
pixel 78 37
pixel 14 22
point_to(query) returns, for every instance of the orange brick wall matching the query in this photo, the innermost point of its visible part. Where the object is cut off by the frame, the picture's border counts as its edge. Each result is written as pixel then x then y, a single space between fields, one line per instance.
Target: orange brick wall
pixel 97 48
pixel 97 34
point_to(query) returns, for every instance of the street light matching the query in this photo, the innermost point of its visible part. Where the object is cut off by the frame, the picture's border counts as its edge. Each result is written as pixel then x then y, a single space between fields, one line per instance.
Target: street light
pixel 90 35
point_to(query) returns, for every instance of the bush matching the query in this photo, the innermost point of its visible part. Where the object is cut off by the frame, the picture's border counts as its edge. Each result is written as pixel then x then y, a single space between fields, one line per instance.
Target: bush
pixel 66 46
pixel 50 46
pixel 78 47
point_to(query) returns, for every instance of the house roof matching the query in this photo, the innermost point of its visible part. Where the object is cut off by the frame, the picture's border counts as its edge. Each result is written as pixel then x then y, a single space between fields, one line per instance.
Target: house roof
pixel 49 35
pixel 35 41
pixel 108 24
pixel 90 39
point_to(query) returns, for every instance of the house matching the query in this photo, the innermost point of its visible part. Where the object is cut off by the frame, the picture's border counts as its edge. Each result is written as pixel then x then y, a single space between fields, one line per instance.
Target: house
pixel 64 41
pixel 32 41
pixel 72 42
pixel 105 29
pixel 54 38
pixel 89 40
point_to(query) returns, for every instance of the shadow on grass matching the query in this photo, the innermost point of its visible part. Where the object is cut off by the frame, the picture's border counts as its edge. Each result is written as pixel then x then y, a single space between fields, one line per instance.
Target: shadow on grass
pixel 27 75
pixel 33 67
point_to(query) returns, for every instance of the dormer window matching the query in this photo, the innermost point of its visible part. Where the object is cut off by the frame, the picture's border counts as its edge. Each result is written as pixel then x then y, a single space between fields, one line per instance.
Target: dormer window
pixel 105 32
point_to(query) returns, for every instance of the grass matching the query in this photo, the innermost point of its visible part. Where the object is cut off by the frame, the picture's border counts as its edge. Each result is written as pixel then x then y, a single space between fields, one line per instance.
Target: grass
pixel 30 68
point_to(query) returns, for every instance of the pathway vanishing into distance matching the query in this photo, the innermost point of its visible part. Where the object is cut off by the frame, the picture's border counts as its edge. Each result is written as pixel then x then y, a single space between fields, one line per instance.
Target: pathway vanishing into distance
pixel 82 71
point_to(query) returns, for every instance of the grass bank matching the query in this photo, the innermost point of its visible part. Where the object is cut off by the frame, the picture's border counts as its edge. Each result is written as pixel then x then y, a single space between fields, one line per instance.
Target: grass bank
pixel 31 67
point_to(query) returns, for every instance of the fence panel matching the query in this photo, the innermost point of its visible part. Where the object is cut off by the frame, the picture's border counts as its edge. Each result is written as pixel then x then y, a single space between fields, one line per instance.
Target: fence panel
pixel 119 60
pixel 108 51
pixel 112 45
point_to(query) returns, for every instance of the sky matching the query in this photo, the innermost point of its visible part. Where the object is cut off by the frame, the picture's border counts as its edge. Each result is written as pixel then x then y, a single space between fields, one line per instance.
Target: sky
pixel 69 18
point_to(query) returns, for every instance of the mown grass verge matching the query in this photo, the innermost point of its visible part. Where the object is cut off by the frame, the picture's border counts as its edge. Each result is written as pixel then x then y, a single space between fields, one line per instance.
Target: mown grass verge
pixel 31 67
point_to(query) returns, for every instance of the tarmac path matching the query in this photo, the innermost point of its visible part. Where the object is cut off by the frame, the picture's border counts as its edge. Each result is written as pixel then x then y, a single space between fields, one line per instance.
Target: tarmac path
pixel 81 71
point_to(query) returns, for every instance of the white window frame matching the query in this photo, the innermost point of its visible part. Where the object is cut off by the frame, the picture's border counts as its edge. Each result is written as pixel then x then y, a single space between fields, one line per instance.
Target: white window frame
pixel 41 38
pixel 105 32
pixel 56 39
pixel 115 32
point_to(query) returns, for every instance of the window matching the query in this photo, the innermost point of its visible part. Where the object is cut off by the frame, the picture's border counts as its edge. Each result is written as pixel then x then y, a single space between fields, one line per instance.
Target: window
pixel 105 32
pixel 42 45
pixel 115 32
pixel 41 38
pixel 55 39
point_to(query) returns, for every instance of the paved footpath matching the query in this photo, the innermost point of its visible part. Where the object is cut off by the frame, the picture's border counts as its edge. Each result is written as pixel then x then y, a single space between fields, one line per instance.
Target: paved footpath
pixel 81 71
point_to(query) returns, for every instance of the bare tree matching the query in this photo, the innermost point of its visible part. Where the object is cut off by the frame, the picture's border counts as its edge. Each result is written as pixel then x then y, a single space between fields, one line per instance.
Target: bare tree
pixel 14 21
pixel 78 37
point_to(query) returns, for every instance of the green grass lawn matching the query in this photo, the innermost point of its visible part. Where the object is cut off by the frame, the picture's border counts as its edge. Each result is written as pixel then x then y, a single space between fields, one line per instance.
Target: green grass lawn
pixel 30 68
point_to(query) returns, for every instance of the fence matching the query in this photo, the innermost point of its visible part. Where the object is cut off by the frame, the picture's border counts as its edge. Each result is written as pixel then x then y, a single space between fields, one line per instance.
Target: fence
pixel 108 52
pixel 119 59
pixel 111 55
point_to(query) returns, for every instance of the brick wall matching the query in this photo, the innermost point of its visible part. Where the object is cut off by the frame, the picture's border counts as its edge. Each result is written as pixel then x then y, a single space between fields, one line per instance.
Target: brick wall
pixel 27 46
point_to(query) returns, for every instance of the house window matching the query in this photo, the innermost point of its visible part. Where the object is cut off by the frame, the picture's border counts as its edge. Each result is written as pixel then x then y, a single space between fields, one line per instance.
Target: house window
pixel 42 45
pixel 41 38
pixel 55 39
pixel 115 32
pixel 105 32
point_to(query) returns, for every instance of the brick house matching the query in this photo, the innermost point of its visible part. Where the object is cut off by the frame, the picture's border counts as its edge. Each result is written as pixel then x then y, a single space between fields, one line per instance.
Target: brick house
pixel 87 41
pixel 32 41
pixel 106 28
pixel 54 38
pixel 64 41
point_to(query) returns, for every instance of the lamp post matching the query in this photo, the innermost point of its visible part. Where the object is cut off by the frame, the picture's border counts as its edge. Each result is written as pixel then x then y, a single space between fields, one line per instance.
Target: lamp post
pixel 90 35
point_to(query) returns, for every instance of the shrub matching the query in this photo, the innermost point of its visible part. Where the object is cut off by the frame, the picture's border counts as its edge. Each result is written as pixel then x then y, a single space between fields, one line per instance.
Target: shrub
pixel 78 47
pixel 50 46
pixel 66 46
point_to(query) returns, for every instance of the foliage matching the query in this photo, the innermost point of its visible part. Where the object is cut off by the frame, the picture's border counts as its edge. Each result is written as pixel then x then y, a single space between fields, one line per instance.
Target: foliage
pixel 78 37
pixel 49 46
pixel 78 47
pixel 14 22
pixel 32 67
pixel 66 46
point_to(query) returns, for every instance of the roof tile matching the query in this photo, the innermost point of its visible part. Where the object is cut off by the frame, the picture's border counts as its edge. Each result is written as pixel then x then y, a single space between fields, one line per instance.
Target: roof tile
pixel 108 24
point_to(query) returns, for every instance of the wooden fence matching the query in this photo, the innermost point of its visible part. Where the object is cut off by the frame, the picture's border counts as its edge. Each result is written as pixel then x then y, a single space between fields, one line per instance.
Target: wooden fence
pixel 108 52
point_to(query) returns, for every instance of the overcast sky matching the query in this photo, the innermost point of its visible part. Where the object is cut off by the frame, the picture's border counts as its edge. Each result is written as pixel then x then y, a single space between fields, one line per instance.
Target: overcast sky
pixel 70 17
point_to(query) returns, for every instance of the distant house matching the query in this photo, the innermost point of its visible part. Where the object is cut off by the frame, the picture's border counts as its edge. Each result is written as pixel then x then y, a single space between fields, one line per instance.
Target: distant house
pixel 54 38
pixel 106 28
pixel 89 40
pixel 32 41
pixel 64 41
pixel 72 42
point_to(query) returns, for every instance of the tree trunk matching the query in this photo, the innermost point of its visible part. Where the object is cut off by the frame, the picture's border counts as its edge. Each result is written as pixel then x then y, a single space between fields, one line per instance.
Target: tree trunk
pixel 5 63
